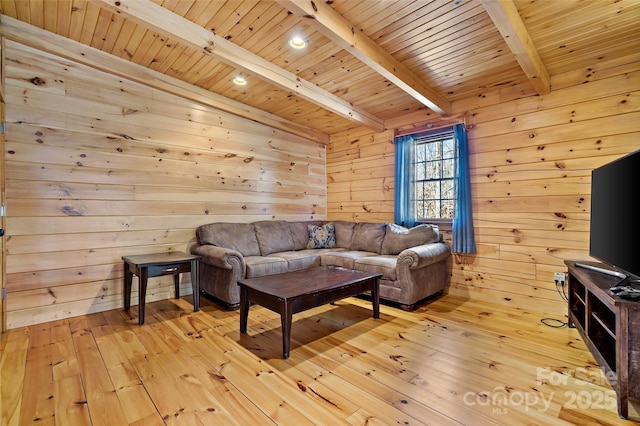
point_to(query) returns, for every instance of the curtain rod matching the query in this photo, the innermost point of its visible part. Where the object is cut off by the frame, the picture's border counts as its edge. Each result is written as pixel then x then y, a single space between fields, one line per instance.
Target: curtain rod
pixel 440 124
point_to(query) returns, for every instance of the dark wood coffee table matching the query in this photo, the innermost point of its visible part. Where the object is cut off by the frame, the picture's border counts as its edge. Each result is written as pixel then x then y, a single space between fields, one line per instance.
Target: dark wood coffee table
pixel 294 292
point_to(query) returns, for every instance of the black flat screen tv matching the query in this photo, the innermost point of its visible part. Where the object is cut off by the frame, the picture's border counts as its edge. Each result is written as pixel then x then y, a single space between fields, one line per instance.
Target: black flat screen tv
pixel 615 219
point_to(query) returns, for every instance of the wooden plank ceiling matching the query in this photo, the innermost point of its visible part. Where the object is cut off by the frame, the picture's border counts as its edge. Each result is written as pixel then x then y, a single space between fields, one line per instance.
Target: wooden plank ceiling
pixel 367 62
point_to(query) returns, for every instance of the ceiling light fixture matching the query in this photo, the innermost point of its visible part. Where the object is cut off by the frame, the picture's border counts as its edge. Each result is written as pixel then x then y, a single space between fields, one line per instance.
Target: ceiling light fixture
pixel 297 42
pixel 239 81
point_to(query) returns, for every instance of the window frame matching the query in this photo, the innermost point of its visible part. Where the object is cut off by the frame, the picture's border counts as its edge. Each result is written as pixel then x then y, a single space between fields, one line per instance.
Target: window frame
pixel 421 138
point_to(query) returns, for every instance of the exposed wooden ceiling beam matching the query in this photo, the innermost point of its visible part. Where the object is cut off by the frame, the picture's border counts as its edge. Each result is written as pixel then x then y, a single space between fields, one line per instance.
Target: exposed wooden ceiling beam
pixel 18 31
pixel 342 32
pixel 190 34
pixel 505 16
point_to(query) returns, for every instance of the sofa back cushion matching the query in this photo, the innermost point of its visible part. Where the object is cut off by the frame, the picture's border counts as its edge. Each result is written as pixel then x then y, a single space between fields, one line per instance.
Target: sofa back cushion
pixel 399 238
pixel 236 236
pixel 273 236
pixel 368 236
pixel 300 233
pixel 344 233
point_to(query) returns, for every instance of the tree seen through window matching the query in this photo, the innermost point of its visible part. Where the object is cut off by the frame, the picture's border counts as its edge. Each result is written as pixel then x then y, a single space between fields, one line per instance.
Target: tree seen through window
pixel 434 172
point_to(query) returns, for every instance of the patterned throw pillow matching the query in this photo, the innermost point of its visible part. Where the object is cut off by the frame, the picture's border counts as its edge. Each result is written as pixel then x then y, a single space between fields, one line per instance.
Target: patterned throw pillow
pixel 322 236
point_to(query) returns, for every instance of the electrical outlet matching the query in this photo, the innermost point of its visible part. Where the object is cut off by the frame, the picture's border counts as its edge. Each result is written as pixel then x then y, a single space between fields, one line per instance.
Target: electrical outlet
pixel 559 277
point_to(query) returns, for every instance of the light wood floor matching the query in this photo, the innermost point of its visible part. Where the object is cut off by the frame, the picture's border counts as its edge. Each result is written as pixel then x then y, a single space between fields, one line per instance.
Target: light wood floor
pixel 449 362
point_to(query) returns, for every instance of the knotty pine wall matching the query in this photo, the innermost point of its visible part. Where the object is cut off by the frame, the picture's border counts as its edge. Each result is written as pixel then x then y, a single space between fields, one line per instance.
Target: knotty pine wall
pixel 98 167
pixel 531 162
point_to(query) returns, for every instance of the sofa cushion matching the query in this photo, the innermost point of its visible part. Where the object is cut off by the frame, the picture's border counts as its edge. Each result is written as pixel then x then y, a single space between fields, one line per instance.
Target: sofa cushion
pixel 344 233
pixel 368 236
pixel 399 238
pixel 323 236
pixel 345 259
pixel 273 236
pixel 300 259
pixel 300 233
pixel 259 266
pixel 383 264
pixel 240 237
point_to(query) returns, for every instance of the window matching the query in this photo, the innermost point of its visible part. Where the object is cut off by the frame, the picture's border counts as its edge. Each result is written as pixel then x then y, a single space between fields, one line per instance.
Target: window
pixel 433 164
pixel 432 183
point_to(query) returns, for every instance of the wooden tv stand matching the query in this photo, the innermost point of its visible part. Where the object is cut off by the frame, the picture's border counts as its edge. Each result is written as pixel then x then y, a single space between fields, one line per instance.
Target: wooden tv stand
pixel 610 326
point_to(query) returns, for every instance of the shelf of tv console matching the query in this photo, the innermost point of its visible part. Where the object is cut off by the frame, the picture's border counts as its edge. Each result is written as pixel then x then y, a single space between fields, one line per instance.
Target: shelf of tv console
pixel 610 326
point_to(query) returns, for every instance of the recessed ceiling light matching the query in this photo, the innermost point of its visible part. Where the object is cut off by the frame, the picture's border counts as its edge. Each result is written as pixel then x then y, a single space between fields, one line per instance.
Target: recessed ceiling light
pixel 297 42
pixel 239 81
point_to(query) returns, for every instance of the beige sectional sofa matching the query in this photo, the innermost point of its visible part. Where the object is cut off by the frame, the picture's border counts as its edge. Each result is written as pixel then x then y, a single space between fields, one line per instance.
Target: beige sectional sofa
pixel 413 262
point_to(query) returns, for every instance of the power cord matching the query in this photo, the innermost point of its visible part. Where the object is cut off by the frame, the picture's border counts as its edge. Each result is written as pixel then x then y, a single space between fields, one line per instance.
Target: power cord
pixel 562 291
pixel 553 322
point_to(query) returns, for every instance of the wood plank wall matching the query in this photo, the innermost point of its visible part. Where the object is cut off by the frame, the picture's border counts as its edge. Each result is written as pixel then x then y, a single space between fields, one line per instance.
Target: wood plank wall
pixel 98 167
pixel 531 159
pixel 3 317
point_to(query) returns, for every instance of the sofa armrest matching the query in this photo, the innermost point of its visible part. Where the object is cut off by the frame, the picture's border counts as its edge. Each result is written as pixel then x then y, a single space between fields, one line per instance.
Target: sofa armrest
pixel 424 255
pixel 221 257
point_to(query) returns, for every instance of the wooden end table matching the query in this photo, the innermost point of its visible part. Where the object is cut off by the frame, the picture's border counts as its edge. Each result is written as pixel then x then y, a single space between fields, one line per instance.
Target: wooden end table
pixel 154 265
pixel 294 292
